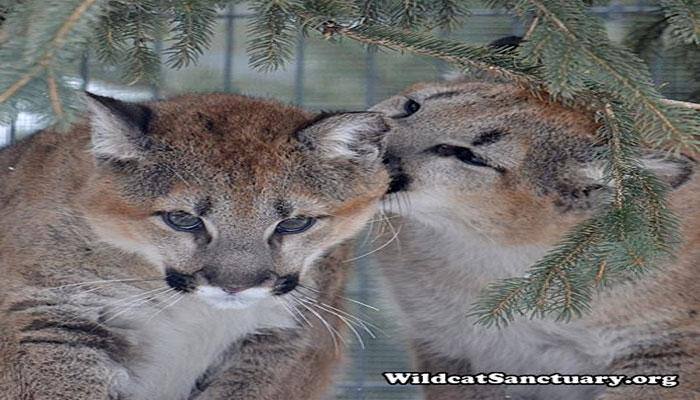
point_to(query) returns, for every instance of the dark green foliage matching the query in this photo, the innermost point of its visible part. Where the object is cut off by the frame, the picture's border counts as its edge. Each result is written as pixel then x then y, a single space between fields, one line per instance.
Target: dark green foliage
pixel 683 17
pixel 193 26
pixel 34 60
pixel 273 32
pixel 653 40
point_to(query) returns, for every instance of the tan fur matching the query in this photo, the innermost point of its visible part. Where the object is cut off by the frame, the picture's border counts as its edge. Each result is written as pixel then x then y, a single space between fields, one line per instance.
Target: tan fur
pixel 86 206
pixel 464 226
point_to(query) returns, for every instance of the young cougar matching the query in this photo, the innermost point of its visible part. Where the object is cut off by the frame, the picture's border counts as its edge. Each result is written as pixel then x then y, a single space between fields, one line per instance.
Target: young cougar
pixel 178 249
pixel 488 179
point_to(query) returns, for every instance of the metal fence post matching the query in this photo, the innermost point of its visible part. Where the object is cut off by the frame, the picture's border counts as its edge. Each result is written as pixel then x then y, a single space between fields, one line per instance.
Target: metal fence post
pixel 155 87
pixel 371 81
pixel 370 76
pixel 84 71
pixel 13 129
pixel 299 68
pixel 229 43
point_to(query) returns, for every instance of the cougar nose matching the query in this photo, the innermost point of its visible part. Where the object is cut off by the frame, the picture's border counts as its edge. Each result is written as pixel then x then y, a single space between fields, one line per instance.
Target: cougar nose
pixel 285 284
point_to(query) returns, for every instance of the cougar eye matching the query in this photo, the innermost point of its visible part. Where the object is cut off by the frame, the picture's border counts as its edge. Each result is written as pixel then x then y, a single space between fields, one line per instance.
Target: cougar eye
pixel 294 225
pixel 182 221
pixel 463 154
pixel 410 107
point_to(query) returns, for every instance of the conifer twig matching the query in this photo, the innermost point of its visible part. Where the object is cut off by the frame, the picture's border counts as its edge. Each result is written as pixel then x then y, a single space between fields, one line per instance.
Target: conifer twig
pixel 481 59
pixel 532 27
pixel 678 103
pixel 643 98
pixel 54 96
pixel 55 44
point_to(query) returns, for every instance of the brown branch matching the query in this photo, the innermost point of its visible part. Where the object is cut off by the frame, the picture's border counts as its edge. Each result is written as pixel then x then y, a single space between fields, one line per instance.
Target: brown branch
pixel 532 27
pixel 644 99
pixel 591 239
pixel 601 272
pixel 678 103
pixel 502 305
pixel 56 43
pixel 568 291
pixel 56 105
pixel 615 150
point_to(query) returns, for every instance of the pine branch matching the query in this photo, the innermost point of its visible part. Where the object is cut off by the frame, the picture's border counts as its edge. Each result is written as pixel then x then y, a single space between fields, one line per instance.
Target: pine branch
pixel 449 14
pixel 34 56
pixel 142 27
pixel 538 291
pixel 56 44
pixel 56 105
pixel 492 62
pixel 622 71
pixel 410 14
pixel 576 54
pixel 681 104
pixel 273 34
pixel 192 27
pixel 683 17
pixel 110 41
pixel 501 302
pixel 371 10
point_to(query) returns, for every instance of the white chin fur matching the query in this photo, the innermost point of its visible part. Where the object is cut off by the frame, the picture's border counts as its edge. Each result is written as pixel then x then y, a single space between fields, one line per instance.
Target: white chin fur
pixel 218 298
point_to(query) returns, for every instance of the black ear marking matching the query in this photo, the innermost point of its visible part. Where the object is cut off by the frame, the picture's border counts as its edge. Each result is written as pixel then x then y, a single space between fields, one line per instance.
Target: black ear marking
pixel 134 114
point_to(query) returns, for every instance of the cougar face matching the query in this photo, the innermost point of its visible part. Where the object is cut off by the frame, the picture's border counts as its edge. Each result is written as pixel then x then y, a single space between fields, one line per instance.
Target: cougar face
pixel 490 159
pixel 231 199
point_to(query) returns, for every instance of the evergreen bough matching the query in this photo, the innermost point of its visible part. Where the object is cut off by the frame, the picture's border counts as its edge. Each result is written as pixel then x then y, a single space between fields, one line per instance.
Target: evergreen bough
pixel 566 57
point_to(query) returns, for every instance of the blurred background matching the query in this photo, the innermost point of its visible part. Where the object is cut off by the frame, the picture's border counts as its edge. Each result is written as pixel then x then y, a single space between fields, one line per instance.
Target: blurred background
pixel 344 75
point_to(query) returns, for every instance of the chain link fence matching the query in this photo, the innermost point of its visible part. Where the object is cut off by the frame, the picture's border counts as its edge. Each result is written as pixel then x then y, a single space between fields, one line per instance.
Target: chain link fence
pixel 348 76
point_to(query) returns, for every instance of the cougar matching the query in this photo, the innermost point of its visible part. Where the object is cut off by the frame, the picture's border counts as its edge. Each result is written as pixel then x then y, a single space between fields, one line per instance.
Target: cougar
pixel 182 249
pixel 487 179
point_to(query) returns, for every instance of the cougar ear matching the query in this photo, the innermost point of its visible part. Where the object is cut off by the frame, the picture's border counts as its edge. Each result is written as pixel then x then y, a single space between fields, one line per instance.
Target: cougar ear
pixel 118 129
pixel 358 137
pixel 675 171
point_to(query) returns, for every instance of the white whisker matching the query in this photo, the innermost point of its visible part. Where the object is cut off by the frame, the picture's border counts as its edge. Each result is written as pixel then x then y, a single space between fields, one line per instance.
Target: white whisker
pixel 361 322
pixel 300 313
pixel 396 235
pixel 134 303
pixel 342 297
pixel 331 331
pixel 100 282
pixel 342 318
pixel 133 297
pixel 178 296
pixel 284 304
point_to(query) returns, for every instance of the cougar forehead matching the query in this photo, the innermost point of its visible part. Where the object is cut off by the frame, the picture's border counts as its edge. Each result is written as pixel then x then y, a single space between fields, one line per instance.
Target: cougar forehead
pixel 219 141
